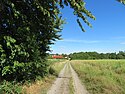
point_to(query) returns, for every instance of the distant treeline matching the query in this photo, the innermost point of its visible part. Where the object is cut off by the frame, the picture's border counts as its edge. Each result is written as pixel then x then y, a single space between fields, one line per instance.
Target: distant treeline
pixel 95 55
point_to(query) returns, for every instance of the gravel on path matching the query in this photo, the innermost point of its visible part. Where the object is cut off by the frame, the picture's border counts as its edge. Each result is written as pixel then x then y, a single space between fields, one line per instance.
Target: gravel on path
pixel 62 83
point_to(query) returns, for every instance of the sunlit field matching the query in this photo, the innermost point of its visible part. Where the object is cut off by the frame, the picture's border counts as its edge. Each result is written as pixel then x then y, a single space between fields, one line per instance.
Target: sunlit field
pixel 101 76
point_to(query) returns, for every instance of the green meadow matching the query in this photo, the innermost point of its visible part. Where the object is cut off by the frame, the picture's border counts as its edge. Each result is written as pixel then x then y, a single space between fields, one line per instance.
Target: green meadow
pixel 101 76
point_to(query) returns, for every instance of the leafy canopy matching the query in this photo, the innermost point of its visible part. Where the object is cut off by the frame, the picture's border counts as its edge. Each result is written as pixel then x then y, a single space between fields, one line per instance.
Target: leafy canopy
pixel 27 29
pixel 121 1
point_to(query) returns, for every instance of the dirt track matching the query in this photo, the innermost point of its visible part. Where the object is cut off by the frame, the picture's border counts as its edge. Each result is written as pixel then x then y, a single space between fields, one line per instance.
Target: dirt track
pixel 63 84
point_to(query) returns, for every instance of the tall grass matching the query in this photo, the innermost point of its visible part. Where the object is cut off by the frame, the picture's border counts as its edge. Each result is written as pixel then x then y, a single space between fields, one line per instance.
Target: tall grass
pixel 102 76
pixel 56 67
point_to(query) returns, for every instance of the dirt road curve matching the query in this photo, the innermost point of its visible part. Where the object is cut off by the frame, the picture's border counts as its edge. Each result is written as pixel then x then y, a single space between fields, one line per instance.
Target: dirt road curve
pixel 67 80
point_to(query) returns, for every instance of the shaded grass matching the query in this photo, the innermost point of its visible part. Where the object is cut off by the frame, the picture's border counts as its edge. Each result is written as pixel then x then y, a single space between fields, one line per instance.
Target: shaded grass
pixel 102 76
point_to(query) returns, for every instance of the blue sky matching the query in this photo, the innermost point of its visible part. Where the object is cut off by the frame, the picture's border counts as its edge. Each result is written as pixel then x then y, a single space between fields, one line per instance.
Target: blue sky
pixel 106 35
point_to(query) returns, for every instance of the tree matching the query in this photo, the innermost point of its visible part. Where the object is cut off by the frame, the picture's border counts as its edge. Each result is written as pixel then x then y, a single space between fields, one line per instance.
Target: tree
pixel 121 55
pixel 27 28
pixel 122 1
pixel 112 56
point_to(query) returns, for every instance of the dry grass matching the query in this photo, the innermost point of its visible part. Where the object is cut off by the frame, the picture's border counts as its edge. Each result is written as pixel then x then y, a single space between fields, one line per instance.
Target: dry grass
pixel 102 76
pixel 40 86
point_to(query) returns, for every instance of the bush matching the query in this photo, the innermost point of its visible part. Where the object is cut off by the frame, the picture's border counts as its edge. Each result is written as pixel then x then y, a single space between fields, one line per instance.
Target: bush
pixel 10 88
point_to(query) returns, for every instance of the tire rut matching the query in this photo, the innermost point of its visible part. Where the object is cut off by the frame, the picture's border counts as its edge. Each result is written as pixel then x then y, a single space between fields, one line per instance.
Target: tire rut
pixel 62 83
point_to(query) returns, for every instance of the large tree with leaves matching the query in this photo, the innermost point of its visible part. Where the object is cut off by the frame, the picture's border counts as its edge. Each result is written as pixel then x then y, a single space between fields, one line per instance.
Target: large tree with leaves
pixel 27 28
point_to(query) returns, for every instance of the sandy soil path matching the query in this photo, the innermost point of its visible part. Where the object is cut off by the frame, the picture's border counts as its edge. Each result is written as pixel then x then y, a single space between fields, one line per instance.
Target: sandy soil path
pixel 62 83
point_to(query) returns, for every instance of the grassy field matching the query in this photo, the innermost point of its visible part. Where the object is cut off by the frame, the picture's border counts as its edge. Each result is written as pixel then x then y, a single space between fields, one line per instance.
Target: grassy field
pixel 101 76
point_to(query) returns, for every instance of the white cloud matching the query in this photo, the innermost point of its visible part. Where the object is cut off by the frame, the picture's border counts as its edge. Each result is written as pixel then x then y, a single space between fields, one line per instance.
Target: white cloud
pixel 80 41
pixel 61 50
pixel 122 43
pixel 120 37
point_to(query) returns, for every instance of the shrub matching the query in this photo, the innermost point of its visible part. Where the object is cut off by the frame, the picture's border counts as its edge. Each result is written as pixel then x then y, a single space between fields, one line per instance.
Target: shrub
pixel 10 88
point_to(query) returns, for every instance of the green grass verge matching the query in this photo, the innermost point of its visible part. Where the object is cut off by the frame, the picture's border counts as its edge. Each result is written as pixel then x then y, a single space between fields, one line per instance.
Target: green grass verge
pixel 71 86
pixel 101 76
pixel 56 67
